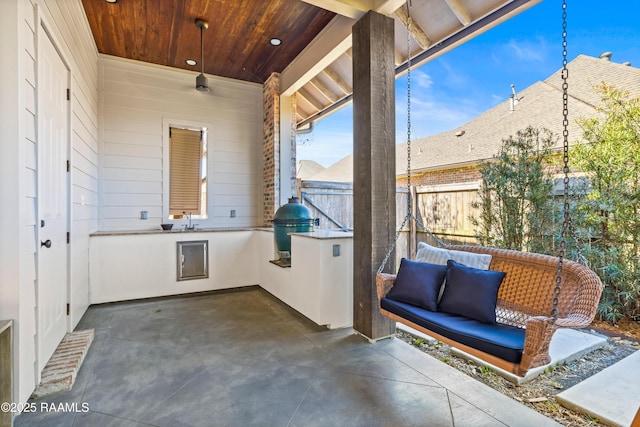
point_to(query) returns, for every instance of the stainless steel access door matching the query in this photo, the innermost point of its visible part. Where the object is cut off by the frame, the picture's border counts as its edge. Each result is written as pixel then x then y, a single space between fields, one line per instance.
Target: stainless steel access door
pixel 193 260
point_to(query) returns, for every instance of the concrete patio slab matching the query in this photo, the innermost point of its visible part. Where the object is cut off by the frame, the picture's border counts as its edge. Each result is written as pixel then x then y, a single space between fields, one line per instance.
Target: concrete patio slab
pixel 612 395
pixel 244 358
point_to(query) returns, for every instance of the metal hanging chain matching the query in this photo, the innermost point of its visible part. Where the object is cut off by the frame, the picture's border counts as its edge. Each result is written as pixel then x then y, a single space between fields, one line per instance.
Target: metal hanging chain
pixel 567 222
pixel 409 207
pixel 565 136
pixel 409 214
pixel 408 106
pixel 393 245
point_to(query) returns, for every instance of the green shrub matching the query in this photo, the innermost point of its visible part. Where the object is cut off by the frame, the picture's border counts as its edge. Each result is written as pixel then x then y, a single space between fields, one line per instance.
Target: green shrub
pixel 610 206
pixel 515 206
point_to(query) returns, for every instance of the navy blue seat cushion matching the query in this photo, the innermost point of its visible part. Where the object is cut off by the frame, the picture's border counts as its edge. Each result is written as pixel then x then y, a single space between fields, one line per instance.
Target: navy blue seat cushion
pixel 503 341
pixel 471 292
pixel 418 283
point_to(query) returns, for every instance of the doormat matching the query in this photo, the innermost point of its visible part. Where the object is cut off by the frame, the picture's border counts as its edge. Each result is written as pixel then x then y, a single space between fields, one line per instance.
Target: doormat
pixel 61 370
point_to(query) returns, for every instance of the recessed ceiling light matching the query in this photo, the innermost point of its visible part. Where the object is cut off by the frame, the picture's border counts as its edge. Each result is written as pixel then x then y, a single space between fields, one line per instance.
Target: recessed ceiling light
pixel 191 62
pixel 111 1
pixel 275 42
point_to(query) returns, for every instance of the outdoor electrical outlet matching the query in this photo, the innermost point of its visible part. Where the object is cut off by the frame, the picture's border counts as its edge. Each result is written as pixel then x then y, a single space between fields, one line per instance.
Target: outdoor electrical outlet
pixel 144 214
pixel 233 213
pixel 336 250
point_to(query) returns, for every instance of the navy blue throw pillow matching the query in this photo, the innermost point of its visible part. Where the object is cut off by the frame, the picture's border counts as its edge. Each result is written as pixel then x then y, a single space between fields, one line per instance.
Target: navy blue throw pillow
pixel 418 283
pixel 471 292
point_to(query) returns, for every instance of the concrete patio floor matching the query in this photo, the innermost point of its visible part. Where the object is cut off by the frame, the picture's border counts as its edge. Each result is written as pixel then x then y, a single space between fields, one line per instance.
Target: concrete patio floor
pixel 242 358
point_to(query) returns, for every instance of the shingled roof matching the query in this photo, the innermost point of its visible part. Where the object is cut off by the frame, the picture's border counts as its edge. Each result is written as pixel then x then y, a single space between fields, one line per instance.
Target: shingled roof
pixel 307 168
pixel 539 105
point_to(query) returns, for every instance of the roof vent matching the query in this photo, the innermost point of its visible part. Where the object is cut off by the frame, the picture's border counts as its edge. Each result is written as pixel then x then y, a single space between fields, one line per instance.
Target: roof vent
pixel 460 133
pixel 628 64
pixel 514 98
pixel 606 56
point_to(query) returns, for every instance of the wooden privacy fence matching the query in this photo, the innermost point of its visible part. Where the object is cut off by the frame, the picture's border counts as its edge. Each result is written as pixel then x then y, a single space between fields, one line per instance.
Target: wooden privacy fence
pixel 444 210
pixel 332 202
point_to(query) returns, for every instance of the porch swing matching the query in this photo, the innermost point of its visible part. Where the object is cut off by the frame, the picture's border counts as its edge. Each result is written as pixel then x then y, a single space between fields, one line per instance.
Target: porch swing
pixel 500 306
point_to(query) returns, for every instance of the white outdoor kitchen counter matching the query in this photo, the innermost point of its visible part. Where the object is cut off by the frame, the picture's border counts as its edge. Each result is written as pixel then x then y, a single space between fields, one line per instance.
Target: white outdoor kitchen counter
pixel 134 264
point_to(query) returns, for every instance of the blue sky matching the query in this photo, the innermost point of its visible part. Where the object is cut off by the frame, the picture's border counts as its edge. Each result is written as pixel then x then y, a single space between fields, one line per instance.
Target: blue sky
pixel 472 78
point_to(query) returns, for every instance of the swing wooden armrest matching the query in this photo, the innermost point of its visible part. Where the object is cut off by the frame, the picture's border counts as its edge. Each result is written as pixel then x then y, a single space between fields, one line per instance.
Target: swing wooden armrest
pixel 525 300
pixel 384 283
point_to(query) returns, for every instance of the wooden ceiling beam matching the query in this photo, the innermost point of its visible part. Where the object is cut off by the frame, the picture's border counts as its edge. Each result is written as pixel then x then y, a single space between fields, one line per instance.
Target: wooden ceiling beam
pixel 505 11
pixel 302 110
pixel 355 9
pixel 344 87
pixel 302 93
pixel 332 42
pixel 460 11
pixel 398 57
pixel 388 7
pixel 324 90
pixel 417 32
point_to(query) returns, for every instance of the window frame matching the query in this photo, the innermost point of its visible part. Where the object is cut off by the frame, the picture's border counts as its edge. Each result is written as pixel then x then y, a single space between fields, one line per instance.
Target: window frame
pixel 167 124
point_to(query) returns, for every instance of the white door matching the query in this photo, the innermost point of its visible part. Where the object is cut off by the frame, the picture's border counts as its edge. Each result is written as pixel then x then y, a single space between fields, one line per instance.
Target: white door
pixel 53 208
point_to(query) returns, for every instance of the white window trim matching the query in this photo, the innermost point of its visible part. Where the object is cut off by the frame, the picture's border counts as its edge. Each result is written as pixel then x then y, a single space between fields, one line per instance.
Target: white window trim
pixel 168 123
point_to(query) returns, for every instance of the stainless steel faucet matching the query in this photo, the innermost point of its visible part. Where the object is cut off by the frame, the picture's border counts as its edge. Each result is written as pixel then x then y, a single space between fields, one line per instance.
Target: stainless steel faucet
pixel 189 225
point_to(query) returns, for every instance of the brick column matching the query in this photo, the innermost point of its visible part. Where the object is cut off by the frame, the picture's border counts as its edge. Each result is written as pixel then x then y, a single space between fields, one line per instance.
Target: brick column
pixel 271 148
pixel 287 148
pixel 293 157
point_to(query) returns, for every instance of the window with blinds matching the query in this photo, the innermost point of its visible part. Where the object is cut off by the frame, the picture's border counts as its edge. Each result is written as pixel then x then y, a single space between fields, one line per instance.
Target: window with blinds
pixel 187 172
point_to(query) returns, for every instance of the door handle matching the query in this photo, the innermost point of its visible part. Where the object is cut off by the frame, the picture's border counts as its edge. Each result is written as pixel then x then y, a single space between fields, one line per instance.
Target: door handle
pixel 46 244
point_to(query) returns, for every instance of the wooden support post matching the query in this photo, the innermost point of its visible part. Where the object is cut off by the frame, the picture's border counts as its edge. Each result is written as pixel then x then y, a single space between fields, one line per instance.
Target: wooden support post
pixel 374 186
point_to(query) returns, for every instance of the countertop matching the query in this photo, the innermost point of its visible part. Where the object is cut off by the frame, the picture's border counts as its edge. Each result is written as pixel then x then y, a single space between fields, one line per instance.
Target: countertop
pixel 174 231
pixel 317 234
pixel 325 234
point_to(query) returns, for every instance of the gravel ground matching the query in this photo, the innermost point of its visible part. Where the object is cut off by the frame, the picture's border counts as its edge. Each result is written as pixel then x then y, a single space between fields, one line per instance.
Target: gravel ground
pixel 540 392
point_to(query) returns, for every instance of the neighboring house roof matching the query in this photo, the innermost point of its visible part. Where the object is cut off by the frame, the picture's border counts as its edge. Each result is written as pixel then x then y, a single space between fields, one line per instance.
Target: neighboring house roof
pixel 539 105
pixel 341 171
pixel 305 169
pixel 586 72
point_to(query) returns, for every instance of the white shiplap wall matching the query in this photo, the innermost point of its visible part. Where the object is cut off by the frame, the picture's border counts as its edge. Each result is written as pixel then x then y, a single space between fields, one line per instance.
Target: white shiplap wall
pixel 68 26
pixel 27 323
pixel 66 23
pixel 135 99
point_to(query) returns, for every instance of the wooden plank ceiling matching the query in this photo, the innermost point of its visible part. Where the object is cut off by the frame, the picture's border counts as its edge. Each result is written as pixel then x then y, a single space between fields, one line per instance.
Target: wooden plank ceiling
pixel 314 58
pixel 236 44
